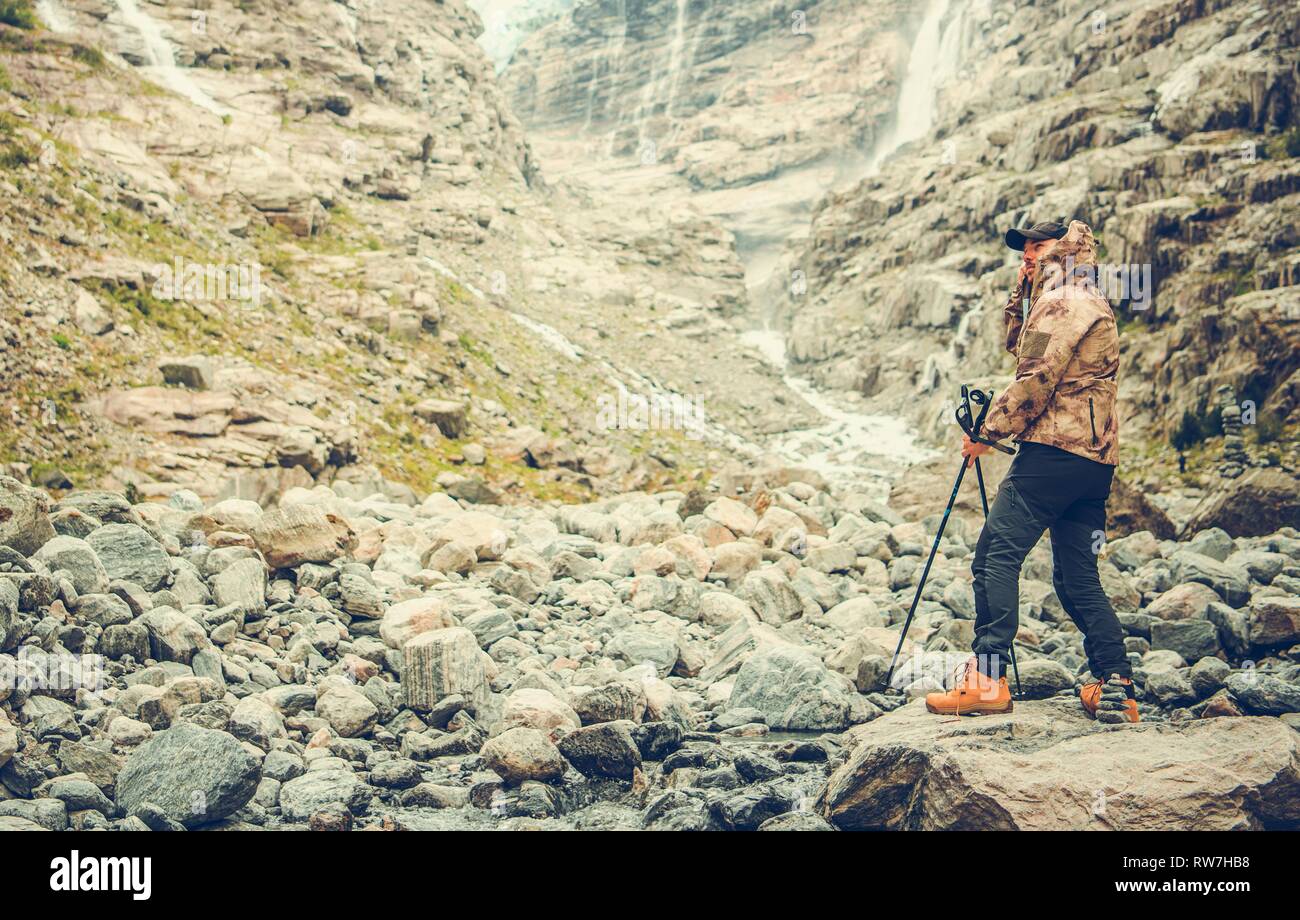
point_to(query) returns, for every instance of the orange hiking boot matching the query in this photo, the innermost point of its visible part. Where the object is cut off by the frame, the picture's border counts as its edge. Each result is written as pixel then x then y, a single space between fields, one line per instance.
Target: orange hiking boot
pixel 972 693
pixel 1110 701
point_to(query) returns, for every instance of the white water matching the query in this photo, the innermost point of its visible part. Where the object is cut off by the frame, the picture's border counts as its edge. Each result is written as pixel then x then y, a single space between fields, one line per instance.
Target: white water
pixel 162 59
pixel 853 449
pixel 933 59
pixel 506 23
pixel 54 16
pixel 852 445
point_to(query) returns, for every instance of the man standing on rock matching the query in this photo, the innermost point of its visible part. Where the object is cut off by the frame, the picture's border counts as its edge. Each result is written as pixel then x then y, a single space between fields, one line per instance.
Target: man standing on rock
pixel 1061 411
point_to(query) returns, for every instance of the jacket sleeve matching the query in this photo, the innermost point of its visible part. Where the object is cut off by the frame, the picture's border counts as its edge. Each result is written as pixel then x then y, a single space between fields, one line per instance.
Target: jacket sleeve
pixel 1051 337
pixel 1013 313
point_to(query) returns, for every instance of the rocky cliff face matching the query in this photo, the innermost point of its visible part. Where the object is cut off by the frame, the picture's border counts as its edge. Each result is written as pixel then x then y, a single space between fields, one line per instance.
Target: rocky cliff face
pixel 756 107
pixel 296 241
pixel 1168 126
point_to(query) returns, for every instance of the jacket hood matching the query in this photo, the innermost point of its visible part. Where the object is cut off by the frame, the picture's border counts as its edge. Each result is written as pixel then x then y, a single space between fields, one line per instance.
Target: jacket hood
pixel 1071 261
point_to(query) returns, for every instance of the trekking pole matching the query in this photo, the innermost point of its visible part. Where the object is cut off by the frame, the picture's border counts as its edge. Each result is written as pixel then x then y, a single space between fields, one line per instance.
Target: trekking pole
pixel 925 573
pixel 965 420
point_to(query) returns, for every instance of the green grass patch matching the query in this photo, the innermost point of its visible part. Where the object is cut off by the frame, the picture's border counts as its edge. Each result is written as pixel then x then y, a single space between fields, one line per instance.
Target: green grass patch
pixel 91 57
pixel 18 13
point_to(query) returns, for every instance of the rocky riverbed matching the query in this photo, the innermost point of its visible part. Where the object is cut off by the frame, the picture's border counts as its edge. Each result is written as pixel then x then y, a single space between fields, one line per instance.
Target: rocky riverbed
pixel 679 660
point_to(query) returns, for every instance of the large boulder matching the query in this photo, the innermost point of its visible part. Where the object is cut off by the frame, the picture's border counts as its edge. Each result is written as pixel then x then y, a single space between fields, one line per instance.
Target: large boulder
pixel 290 536
pixel 403 622
pixel 606 749
pixel 520 754
pixel 242 585
pixel 1187 601
pixel 305 795
pixel 1129 511
pixel 441 662
pixel 1059 770
pixel 1192 639
pixel 128 553
pixel 1263 694
pixel 794 690
pixel 1259 503
pixel 1274 622
pixel 24 517
pixel 194 775
pixel 78 561
pixel 1230 582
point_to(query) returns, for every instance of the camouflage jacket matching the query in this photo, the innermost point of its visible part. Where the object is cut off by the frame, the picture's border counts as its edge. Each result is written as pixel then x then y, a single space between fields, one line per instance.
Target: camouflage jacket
pixel 1067 358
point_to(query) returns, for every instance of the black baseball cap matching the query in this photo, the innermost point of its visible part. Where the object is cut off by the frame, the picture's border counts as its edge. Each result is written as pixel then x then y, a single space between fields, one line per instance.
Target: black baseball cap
pixel 1047 230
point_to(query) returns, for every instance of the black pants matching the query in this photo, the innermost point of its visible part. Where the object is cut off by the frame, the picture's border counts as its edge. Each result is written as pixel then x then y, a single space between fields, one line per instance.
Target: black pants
pixel 1047 489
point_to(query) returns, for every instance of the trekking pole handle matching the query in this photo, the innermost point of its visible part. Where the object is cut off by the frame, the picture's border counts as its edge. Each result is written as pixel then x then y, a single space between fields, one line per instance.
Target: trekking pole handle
pixel 970 423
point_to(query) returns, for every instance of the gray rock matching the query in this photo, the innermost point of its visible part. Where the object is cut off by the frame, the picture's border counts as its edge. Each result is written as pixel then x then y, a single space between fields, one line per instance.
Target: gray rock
pixel 794 690
pixel 489 625
pixel 108 507
pixel 256 722
pixel 1192 639
pixel 242 585
pixel 24 517
pixel 194 372
pixel 397 773
pixel 360 596
pixel 1170 687
pixel 130 554
pixel 50 814
pixel 1207 676
pixel 607 749
pixel 1043 677
pixel 771 595
pixel 77 559
pixel 1233 626
pixel 172 635
pixel 194 775
pixel 521 754
pixel 127 639
pixel 1263 694
pixel 1230 582
pixel 657 740
pixel 797 821
pixel 103 610
pixel 282 766
pixel 610 703
pixel 636 645
pixel 80 794
pixel 315 790
pixel 1213 542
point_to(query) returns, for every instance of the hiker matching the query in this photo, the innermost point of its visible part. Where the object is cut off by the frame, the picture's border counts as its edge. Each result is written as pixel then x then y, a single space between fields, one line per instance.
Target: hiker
pixel 1061 411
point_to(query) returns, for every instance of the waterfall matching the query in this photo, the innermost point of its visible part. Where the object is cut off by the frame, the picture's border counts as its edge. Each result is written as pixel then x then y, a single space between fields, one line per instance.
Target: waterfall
pixel 926 69
pixel 506 23
pixel 675 56
pixel 162 60
pixel 54 16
